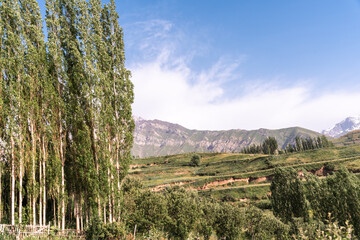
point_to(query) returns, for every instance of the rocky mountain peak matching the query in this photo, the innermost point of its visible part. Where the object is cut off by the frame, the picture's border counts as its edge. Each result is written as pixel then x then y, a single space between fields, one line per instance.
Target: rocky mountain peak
pixel 343 127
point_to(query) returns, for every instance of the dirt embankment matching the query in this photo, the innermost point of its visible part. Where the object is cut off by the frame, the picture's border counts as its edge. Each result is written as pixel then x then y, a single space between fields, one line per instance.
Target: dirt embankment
pixel 143 165
pixel 232 180
pixel 321 172
pixel 162 186
pixel 223 182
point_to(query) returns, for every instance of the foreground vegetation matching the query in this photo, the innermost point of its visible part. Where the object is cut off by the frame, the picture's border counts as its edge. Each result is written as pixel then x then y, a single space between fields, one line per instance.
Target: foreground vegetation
pixel 300 209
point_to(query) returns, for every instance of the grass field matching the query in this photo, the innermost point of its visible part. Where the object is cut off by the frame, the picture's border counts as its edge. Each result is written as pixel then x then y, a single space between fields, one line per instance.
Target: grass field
pixel 235 177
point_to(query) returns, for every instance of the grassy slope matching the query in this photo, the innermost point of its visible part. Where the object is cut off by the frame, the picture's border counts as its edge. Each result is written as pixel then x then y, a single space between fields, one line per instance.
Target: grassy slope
pixel 219 173
pixel 348 139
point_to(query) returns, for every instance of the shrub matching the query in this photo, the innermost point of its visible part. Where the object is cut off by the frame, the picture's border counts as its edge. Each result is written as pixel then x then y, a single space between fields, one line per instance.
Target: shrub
pixel 149 212
pixel 183 212
pixel 332 230
pixel 195 160
pixel 261 225
pixel 229 222
pixel 99 230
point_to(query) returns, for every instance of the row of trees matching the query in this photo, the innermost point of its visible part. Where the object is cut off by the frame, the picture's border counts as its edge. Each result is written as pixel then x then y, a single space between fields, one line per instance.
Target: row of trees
pixel 269 146
pixel 315 198
pixel 303 144
pixel 65 112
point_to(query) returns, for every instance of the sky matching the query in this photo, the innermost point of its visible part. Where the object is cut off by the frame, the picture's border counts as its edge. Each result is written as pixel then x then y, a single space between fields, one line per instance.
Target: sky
pixel 237 64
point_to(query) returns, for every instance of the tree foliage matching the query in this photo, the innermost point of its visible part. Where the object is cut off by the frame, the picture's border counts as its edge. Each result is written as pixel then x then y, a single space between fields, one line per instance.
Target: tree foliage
pixel 337 194
pixel 269 146
pixel 287 195
pixel 304 144
pixel 195 160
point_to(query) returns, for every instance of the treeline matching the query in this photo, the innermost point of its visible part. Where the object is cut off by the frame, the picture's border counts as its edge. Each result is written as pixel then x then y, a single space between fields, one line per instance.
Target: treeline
pixel 269 146
pixel 303 144
pixel 65 113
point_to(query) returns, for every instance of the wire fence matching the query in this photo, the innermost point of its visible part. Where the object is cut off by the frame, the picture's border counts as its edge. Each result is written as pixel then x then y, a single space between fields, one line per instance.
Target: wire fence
pixel 22 231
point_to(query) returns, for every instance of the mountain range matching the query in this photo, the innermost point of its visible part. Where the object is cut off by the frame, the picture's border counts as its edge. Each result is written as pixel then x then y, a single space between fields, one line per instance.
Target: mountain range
pixel 159 138
pixel 348 125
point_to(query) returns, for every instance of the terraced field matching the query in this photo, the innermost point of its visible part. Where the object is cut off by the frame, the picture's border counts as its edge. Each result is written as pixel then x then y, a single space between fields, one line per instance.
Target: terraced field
pixel 240 178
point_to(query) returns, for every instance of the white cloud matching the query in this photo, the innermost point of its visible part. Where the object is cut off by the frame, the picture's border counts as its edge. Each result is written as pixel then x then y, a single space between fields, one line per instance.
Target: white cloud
pixel 167 88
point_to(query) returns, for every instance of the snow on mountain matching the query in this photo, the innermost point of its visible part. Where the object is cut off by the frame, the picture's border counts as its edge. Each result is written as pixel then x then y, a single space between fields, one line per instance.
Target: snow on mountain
pixel 343 127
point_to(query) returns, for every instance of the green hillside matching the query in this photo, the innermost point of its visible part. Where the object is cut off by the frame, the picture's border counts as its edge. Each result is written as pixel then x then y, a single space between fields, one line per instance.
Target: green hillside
pixel 238 177
pixel 348 139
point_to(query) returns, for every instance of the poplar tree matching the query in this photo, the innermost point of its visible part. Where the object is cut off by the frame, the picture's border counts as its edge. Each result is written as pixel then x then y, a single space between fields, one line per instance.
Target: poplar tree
pixel 122 98
pixel 36 96
pixel 100 62
pixel 12 62
pixel 59 77
pixel 2 103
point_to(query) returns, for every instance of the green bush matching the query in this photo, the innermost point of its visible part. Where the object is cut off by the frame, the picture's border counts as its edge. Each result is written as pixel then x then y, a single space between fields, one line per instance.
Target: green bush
pixel 101 231
pixel 195 160
pixel 261 225
pixel 229 222
pixel 183 212
pixel 149 212
pixel 331 231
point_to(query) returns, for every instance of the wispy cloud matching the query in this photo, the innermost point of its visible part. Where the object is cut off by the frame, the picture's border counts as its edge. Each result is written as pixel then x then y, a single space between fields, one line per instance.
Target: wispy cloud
pixel 167 88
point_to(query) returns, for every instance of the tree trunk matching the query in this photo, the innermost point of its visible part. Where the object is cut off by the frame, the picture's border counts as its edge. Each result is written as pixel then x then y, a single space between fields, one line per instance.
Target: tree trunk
pixel 110 182
pixel 118 175
pixel 44 182
pixel 40 194
pixel 81 216
pixel 59 221
pixel 62 158
pixel 12 176
pixel 99 205
pixel 104 212
pixel 33 179
pixel 54 212
pixel 21 169
pixel 62 197
pixel 0 192
pixel 110 205
pixel 20 192
pixel 77 214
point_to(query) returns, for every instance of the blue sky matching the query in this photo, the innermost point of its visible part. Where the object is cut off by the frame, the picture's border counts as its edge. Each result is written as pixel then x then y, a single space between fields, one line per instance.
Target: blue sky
pixel 211 64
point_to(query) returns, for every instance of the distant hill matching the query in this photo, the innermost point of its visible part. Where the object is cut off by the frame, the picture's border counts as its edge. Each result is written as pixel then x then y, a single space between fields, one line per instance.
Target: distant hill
pixel 348 139
pixel 343 127
pixel 159 138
